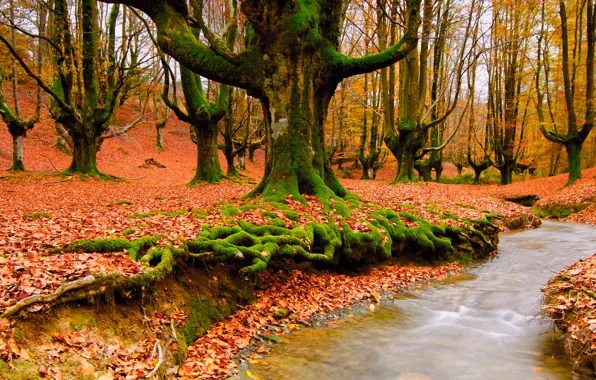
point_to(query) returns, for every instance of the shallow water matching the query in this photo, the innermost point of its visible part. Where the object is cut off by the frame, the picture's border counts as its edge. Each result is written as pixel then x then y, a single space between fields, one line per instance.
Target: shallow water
pixel 478 325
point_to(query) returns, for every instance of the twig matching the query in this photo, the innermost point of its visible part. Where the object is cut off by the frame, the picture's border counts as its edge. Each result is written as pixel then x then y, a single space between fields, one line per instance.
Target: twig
pixel 51 163
pixel 173 330
pixel 159 361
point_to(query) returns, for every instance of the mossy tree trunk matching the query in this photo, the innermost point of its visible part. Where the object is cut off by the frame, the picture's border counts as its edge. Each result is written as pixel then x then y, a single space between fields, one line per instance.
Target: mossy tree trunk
pixel 208 166
pixel 203 117
pixel 84 154
pixel 17 126
pixel 293 66
pixel 577 132
pixel 574 157
pixel 404 146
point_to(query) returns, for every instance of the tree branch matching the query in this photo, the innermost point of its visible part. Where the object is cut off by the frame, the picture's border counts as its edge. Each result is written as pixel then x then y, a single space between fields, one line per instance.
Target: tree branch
pixel 346 66
pixel 35 77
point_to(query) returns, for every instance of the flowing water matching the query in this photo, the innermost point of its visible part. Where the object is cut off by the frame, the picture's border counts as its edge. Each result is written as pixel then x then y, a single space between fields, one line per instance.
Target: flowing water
pixel 478 325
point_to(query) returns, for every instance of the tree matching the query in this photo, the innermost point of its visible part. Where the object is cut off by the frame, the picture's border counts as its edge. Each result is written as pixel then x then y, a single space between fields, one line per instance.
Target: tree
pixel 78 105
pixel 507 68
pixel 577 130
pixel 416 119
pixel 202 115
pixel 293 68
pixel 17 126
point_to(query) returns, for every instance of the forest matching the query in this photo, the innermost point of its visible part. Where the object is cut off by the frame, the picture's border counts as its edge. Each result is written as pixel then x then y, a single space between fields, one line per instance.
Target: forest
pixel 189 186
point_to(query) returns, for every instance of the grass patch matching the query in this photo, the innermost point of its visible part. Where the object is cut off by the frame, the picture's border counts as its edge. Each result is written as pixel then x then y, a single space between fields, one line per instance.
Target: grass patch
pixel 462 179
pixel 37 215
pixel 127 232
pixel 153 213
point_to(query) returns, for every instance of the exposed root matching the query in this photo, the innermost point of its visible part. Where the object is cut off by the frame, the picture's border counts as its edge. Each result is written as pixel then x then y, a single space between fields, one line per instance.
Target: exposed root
pixel 330 232
pixel 47 298
pixel 159 360
pixel 102 283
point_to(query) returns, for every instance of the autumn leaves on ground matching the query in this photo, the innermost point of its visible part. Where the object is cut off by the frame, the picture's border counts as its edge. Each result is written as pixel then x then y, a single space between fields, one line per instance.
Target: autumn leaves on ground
pixel 193 323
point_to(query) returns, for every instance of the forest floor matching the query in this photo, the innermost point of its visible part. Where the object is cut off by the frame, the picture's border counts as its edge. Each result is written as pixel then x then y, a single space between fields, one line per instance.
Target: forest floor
pixel 41 210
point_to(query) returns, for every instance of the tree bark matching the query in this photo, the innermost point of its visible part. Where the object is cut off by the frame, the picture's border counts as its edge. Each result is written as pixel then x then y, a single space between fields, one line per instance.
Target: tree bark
pixel 84 154
pixel 208 166
pixel 574 158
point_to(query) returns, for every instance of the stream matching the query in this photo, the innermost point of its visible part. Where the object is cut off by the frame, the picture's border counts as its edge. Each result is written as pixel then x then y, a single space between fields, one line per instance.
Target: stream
pixel 481 324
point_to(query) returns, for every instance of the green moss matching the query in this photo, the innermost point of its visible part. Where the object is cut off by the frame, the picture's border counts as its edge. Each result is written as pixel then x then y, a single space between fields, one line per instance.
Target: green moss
pixel 292 215
pixel 199 213
pixel 229 211
pixel 248 207
pixel 527 200
pixel 271 337
pixel 269 214
pixel 201 315
pixel 558 211
pixel 281 313
pixel 18 336
pixel 140 245
pixel 98 245
pixel 37 215
pixel 127 232
pixel 277 223
pixel 449 215
pixel 80 320
pixel 153 213
pixel 22 370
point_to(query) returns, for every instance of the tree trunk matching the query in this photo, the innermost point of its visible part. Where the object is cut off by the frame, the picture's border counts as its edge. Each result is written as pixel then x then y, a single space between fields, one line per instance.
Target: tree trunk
pixel 84 155
pixel 365 170
pixel 424 170
pixel 18 162
pixel 574 151
pixel 297 108
pixel 208 167
pixel 159 138
pixel 251 152
pixel 228 150
pixel 477 173
pixel 506 171
pixel 242 159
pixel 404 147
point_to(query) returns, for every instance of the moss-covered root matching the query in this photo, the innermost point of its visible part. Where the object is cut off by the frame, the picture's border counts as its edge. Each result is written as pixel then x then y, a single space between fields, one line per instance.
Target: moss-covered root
pixel 257 245
pixel 97 245
pixel 377 238
pixel 103 245
pixel 105 283
pixel 141 245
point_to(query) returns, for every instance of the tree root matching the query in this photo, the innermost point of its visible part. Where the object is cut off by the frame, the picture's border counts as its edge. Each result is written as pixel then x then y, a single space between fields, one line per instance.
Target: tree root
pixel 376 235
pixel 47 298
pixel 103 283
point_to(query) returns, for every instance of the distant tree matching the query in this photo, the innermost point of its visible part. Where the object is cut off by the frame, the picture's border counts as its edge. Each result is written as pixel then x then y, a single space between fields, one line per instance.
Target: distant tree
pixel 578 130
pixel 17 126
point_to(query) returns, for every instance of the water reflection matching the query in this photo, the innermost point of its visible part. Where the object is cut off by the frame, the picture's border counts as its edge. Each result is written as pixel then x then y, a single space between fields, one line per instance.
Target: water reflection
pixel 478 325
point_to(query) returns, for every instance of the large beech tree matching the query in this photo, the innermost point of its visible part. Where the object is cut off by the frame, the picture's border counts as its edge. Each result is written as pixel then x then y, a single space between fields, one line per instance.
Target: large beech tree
pixel 293 68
